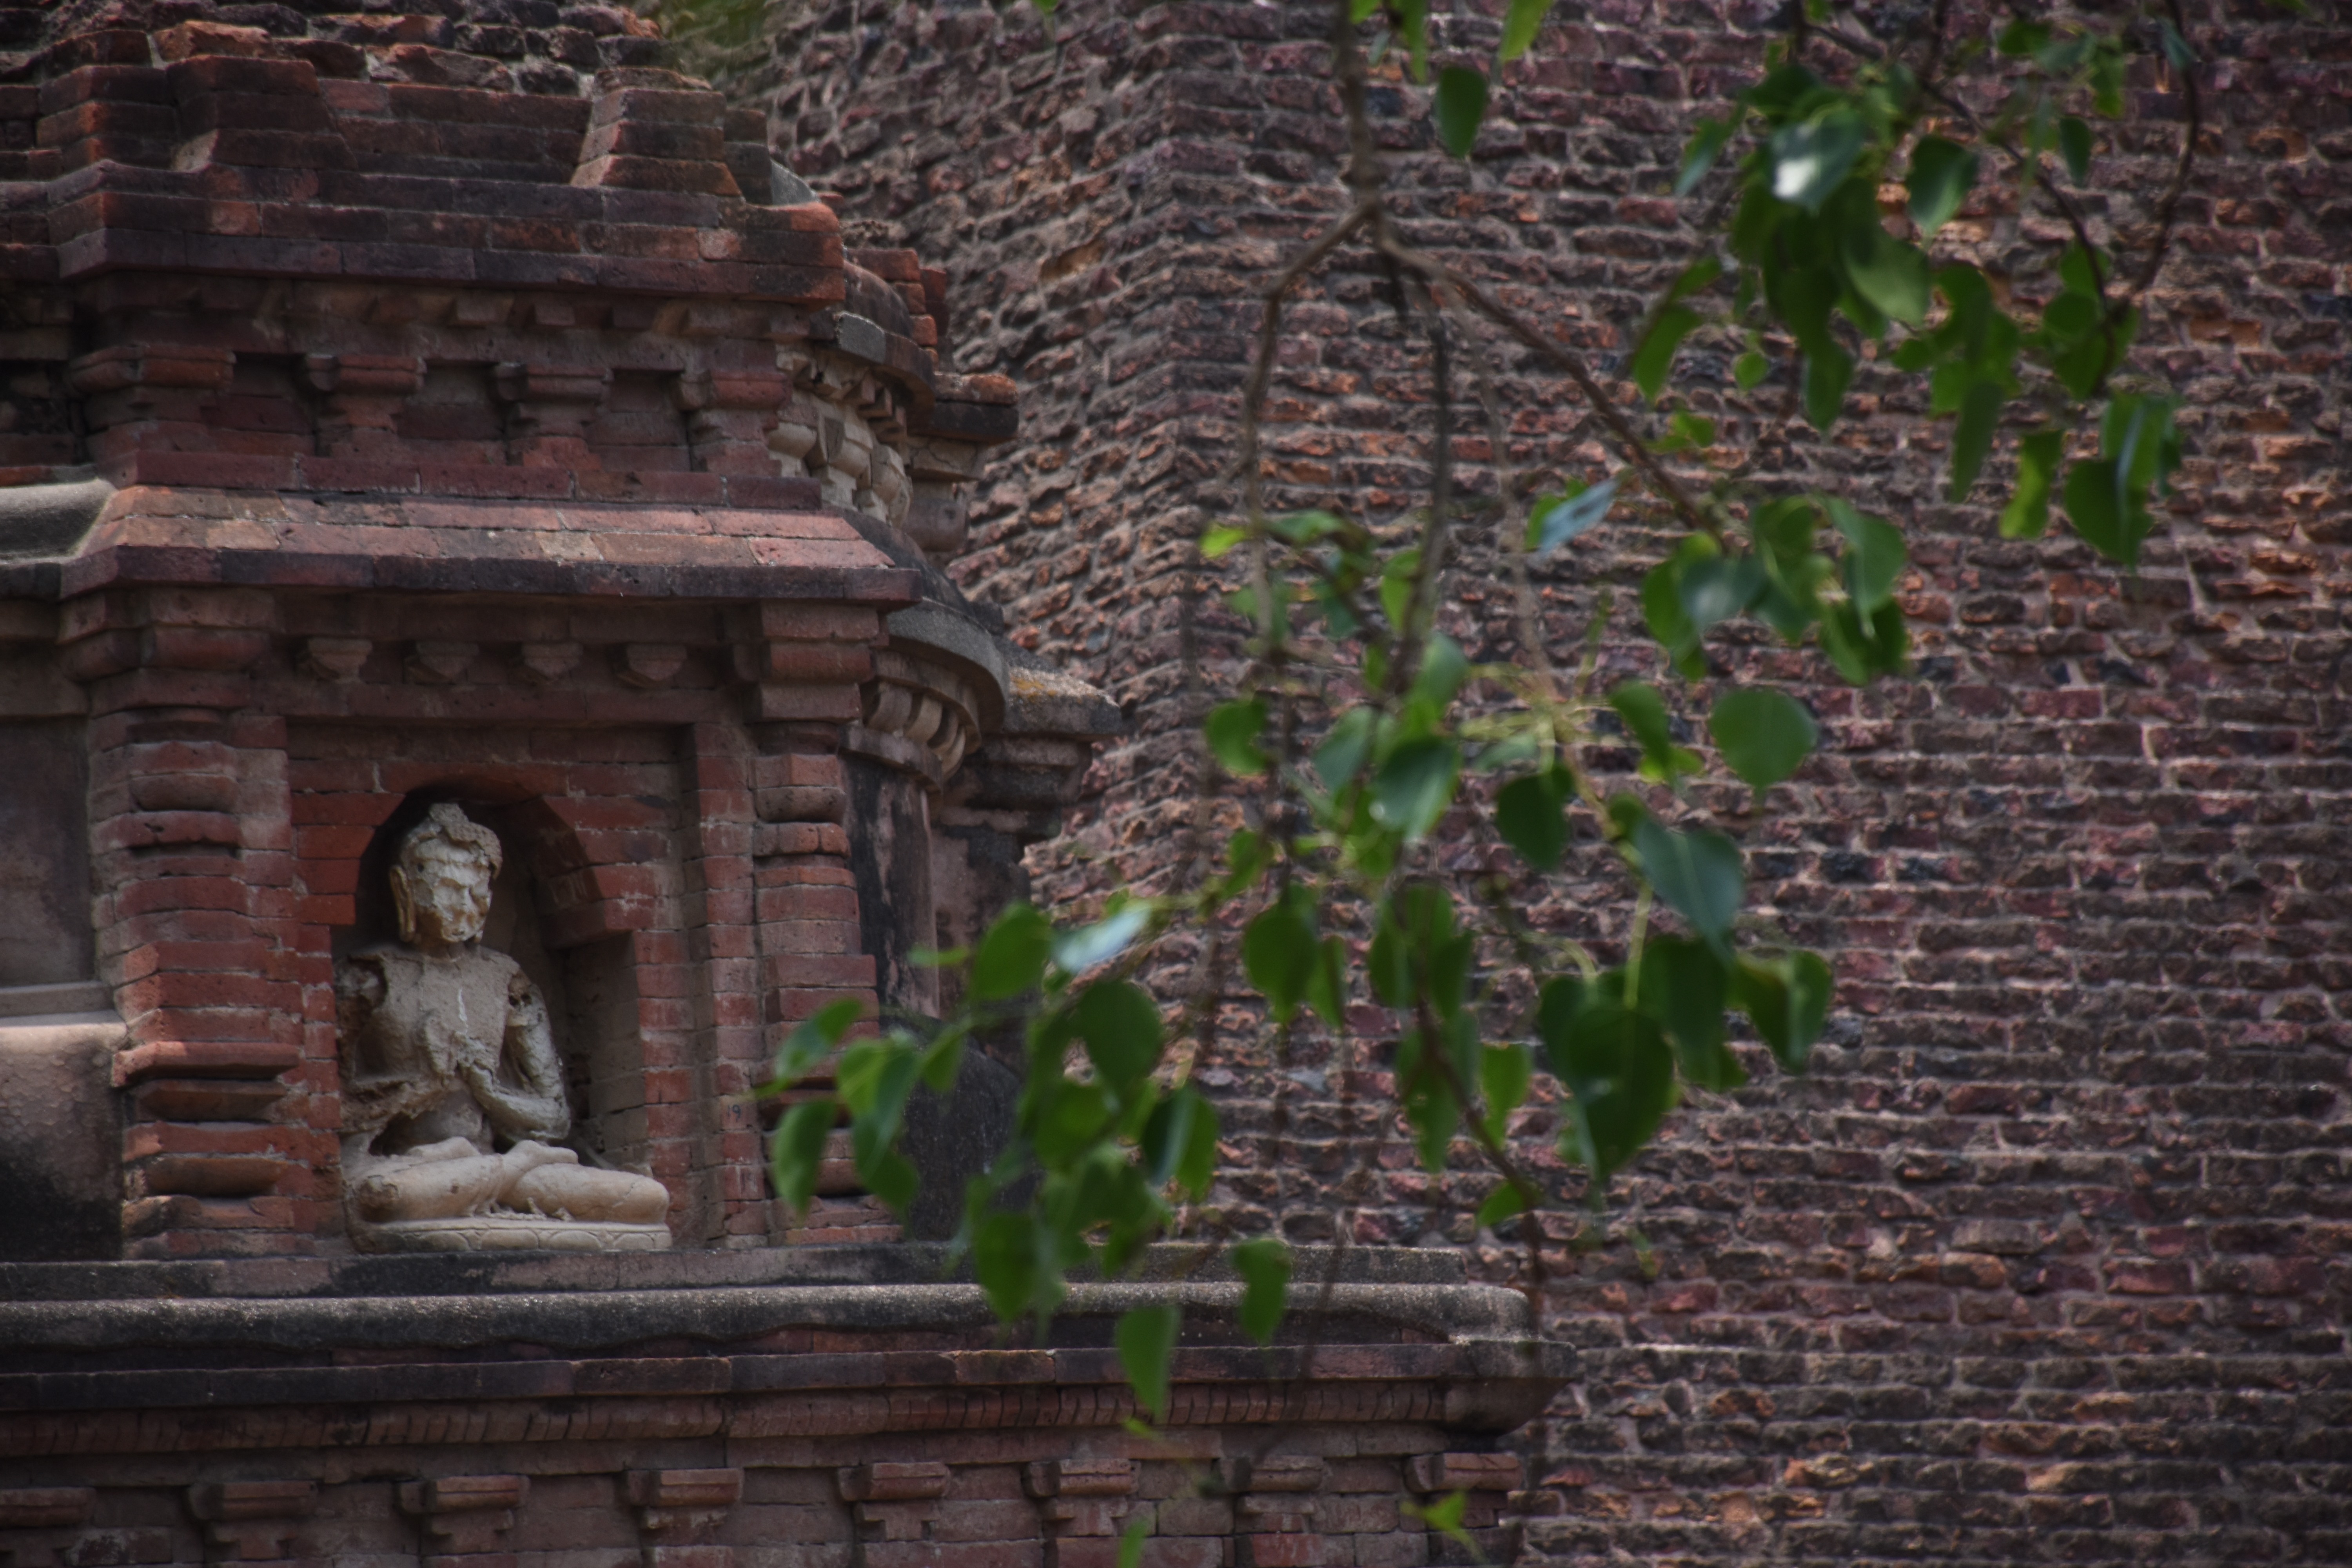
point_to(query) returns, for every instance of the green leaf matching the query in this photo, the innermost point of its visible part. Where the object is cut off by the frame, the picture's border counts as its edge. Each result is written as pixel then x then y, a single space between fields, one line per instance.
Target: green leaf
pixel 1412 788
pixel 1530 813
pixel 1011 959
pixel 1715 589
pixel 1233 729
pixel 1654 358
pixel 1685 987
pixel 1220 539
pixel 1637 703
pixel 1888 273
pixel 1180 1143
pixel 1750 370
pixel 1345 747
pixel 1764 736
pixel 1326 988
pixel 1554 519
pixel 1875 557
pixel 1705 146
pixel 1698 873
pixel 1264 1265
pixel 1444 1515
pixel 2176 52
pixel 1147 1342
pixel 2027 515
pixel 1972 435
pixel 1788 1000
pixel 1829 369
pixel 1278 953
pixel 1501 1203
pixel 1442 672
pixel 1397 581
pixel 1504 1075
pixel 2109 527
pixel 2023 38
pixel 1121 1024
pixel 813 1039
pixel 1077 952
pixel 797 1149
pixel 1617 1066
pixel 1662 603
pixel 1461 105
pixel 2075 145
pixel 1942 174
pixel 1130 1543
pixel 1813 157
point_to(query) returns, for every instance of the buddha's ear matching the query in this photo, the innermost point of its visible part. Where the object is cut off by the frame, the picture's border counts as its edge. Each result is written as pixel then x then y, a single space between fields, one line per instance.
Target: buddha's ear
pixel 404 904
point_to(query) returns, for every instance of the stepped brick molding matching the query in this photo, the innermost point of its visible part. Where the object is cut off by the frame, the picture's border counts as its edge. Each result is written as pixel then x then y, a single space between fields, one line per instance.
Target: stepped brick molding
pixel 376 434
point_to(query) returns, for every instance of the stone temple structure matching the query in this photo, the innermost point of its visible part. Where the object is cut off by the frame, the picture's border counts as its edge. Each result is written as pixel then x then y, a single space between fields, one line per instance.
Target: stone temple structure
pixel 475 669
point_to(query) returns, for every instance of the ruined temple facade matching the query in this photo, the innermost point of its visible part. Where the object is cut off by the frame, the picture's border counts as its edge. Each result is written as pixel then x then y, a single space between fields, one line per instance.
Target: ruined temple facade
pixel 476 668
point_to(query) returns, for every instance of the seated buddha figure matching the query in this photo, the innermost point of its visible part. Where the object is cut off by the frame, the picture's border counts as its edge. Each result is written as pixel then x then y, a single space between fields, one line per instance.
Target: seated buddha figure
pixel 454 1104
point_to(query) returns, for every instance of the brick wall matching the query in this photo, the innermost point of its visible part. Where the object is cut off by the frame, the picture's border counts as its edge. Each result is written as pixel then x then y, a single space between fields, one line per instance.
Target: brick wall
pixel 2048 1258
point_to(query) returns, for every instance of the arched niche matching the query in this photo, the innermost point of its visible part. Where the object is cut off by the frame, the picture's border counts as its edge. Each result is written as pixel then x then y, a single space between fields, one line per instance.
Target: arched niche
pixel 590 987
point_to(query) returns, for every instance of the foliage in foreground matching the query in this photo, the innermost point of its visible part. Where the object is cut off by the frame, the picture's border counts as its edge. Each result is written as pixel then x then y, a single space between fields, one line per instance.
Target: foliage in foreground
pixel 1359 728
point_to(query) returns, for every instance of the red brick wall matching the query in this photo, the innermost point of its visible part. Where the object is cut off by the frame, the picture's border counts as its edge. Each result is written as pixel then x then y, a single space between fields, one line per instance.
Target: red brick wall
pixel 2048 1257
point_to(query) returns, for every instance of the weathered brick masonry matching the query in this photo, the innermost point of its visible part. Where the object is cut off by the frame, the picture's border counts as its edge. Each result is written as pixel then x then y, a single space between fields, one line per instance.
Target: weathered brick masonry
pixel 409 411
pixel 2047 1260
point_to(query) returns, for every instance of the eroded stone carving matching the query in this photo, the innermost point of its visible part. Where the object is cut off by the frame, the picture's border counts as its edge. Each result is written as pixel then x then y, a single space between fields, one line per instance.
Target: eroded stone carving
pixel 447 1054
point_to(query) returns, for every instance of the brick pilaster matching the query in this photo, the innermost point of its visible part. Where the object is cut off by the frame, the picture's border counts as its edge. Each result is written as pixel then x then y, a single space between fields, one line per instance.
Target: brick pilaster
pixel 199 932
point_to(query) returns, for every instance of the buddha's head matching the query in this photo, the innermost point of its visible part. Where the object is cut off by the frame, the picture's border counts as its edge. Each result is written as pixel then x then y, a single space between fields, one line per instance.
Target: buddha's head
pixel 441 879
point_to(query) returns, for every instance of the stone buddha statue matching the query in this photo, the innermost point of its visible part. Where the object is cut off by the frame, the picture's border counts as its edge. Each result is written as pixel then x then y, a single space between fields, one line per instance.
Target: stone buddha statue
pixel 453 1106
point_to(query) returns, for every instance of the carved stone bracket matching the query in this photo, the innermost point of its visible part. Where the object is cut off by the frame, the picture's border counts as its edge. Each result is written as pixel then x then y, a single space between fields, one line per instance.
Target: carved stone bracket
pixel 679 1513
pixel 464 1514
pixel 251 1520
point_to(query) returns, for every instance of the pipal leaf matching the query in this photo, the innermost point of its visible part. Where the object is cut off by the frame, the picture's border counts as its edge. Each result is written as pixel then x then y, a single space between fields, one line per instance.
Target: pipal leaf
pixel 1829 371
pixel 1787 999
pixel 1345 747
pixel 1264 1265
pixel 2027 515
pixel 1077 952
pixel 1698 873
pixel 1750 370
pixel 1504 1074
pixel 1617 1066
pixel 1521 24
pixel 797 1149
pixel 1764 736
pixel 1531 815
pixel 1637 703
pixel 1813 157
pixel 2074 146
pixel 1233 729
pixel 1942 174
pixel 1888 273
pixel 1684 986
pixel 1554 519
pixel 1501 1203
pixel 1972 435
pixel 1412 788
pixel 1011 959
pixel 1654 358
pixel 1705 146
pixel 813 1038
pixel 1875 557
pixel 1121 1024
pixel 2092 506
pixel 1461 106
pixel 1147 1344
pixel 1278 953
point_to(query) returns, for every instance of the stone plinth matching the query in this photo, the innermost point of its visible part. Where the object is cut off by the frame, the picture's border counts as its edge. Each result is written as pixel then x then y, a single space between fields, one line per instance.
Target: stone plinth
pixel 820 1407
